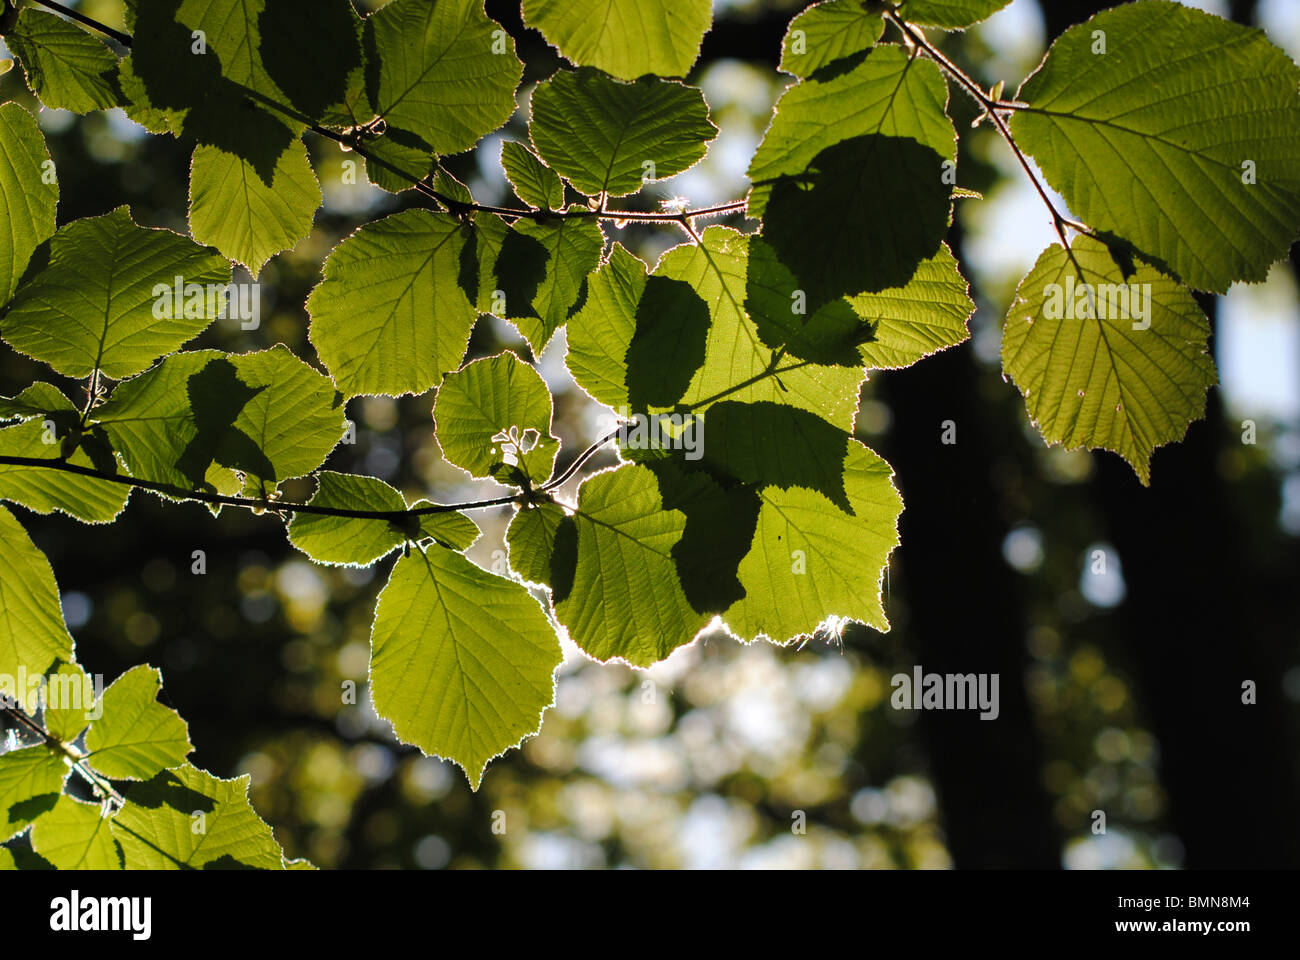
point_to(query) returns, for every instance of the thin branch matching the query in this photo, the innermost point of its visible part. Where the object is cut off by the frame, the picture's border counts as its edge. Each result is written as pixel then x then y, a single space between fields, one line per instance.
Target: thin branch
pixel 580 461
pixel 689 227
pixel 92 394
pixel 81 18
pixel 202 496
pixel 98 781
pixel 993 109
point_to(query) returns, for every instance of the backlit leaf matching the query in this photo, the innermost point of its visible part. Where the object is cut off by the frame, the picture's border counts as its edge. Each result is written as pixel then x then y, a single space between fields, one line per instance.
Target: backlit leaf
pixel 531 539
pixel 1094 381
pixel 199 416
pixel 68 68
pixel 444 72
pixel 852 200
pixel 51 431
pixel 247 219
pixel 33 634
pixel 185 818
pixel 360 542
pixel 76 836
pixel 621 542
pixel 605 136
pixel 493 412
pixel 813 559
pixel 827 33
pixel 628 38
pixel 136 737
pixel 1183 138
pixel 105 299
pixel 30 780
pixel 462 661
pixel 27 200
pixel 390 316
pixel 535 183
pixel 949 14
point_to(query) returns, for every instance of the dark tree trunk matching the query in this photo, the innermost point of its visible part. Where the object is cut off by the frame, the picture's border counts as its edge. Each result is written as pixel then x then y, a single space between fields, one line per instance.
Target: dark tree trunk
pixel 965 613
pixel 1201 618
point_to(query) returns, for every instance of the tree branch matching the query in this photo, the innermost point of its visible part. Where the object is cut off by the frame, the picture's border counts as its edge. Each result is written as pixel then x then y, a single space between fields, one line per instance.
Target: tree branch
pixel 81 18
pixel 202 496
pixel 579 461
pixel 99 782
pixel 993 110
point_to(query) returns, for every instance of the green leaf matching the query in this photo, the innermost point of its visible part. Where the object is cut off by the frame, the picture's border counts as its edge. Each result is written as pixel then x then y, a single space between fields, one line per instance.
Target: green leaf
pixel 346 540
pixel 621 353
pixel 30 780
pixel 950 14
pixel 812 560
pixel 250 220
pixel 105 298
pixel 786 523
pixel 26 200
pixel 619 547
pixel 52 431
pixel 463 662
pixel 1095 382
pixel 449 528
pixel 66 67
pixel 852 200
pixel 69 702
pixel 444 71
pixel 352 541
pixel 232 33
pixel 36 400
pixel 390 316
pixel 534 183
pixel 76 836
pixel 887 330
pixel 212 88
pixel 198 416
pixel 1156 139
pixel 827 33
pixel 394 166
pixel 353 107
pixel 610 137
pixel 925 316
pixel 185 818
pixel 530 539
pixel 56 436
pixel 136 737
pixel 736 361
pixel 539 270
pixel 496 412
pixel 628 38
pixel 600 333
pixel 33 634
pixel 447 185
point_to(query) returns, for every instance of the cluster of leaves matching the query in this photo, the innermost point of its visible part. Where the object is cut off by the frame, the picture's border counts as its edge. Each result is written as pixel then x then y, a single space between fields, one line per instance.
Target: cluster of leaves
pixel 1142 119
pixel 177 817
